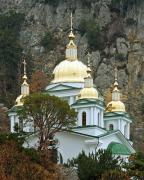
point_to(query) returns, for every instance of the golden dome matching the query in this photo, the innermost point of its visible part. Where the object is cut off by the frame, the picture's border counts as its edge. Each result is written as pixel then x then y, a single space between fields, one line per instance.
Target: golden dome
pixel 19 101
pixel 88 93
pixel 70 71
pixel 115 106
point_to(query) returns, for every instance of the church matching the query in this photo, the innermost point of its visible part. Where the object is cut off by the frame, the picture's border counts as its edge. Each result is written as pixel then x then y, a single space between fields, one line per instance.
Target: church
pixel 98 126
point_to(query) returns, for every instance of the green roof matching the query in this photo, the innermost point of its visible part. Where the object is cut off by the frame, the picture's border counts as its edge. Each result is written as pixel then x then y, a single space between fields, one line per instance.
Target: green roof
pixel 15 108
pixel 117 148
pixel 88 126
pixel 117 114
pixel 88 101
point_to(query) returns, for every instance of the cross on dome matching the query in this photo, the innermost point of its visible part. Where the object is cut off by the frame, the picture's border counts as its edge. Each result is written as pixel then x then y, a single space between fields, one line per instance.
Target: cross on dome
pixel 71 17
pixel 24 63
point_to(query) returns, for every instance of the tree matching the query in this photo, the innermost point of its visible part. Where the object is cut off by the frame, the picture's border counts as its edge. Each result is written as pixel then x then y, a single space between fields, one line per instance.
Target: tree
pixel 10 54
pixel 49 115
pixel 4 123
pixel 39 80
pixel 135 166
pixel 93 166
pixel 115 175
pixel 17 162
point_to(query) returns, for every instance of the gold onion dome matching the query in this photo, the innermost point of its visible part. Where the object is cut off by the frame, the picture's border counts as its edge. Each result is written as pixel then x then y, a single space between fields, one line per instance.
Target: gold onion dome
pixel 88 92
pixel 24 88
pixel 116 105
pixel 71 69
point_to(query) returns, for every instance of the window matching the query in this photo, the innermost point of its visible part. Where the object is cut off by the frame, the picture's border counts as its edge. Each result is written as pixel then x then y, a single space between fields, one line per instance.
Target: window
pixel 84 119
pixel 98 119
pixel 111 127
pixel 61 159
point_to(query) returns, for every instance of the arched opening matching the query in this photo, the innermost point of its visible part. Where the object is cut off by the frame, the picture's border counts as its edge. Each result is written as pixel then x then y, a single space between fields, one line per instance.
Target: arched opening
pixel 111 127
pixel 84 119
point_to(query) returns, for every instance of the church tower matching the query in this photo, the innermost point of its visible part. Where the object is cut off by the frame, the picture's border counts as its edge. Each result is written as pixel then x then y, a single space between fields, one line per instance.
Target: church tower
pixel 14 119
pixel 88 105
pixel 116 117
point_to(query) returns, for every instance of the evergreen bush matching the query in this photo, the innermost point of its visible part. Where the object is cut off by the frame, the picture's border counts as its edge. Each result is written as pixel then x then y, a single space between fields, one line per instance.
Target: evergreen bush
pixel 93 32
pixel 48 41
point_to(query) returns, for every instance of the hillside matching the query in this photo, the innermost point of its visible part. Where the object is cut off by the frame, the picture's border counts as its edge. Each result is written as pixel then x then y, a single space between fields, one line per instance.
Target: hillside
pixel 111 30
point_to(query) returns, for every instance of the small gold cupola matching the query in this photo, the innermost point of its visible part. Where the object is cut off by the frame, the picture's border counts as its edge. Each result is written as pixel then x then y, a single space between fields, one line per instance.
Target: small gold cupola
pixel 24 88
pixel 115 105
pixel 88 92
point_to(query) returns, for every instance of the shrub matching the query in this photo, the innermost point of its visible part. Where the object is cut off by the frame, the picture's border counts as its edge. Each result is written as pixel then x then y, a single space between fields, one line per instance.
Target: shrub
pixel 93 166
pixel 52 2
pixel 130 21
pixel 94 34
pixel 48 41
pixel 120 57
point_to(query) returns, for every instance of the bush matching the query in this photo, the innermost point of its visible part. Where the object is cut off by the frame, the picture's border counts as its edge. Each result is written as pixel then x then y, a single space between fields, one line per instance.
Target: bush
pixel 52 2
pixel 93 166
pixel 130 21
pixel 96 39
pixel 115 175
pixel 48 41
pixel 124 5
pixel 120 57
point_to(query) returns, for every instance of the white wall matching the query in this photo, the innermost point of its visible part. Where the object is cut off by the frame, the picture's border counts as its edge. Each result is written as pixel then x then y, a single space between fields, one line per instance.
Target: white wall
pixel 70 145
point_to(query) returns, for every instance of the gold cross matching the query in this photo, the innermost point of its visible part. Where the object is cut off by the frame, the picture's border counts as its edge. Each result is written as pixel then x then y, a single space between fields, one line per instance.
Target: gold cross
pixel 116 73
pixel 71 17
pixel 88 55
pixel 24 63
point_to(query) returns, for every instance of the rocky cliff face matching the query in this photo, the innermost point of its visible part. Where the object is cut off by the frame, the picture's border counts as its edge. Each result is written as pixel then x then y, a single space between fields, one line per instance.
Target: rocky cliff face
pixel 119 25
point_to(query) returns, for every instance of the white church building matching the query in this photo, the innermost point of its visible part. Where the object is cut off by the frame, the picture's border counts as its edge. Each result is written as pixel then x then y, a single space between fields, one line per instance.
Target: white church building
pixel 97 126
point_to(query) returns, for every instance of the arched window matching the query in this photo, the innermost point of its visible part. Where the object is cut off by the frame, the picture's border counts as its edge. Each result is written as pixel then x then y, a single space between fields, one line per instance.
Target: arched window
pixel 61 159
pixel 111 127
pixel 84 119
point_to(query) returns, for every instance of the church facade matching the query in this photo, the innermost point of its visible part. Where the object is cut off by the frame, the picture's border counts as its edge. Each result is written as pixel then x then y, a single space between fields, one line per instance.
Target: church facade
pixel 97 126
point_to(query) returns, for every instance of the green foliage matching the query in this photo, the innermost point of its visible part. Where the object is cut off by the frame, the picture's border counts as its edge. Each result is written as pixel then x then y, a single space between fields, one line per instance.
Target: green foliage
pixel 49 115
pixel 33 154
pixel 52 2
pixel 11 21
pixel 92 166
pixel 123 5
pixel 135 166
pixel 12 137
pixel 48 41
pixel 96 38
pixel 130 21
pixel 120 57
pixel 10 53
